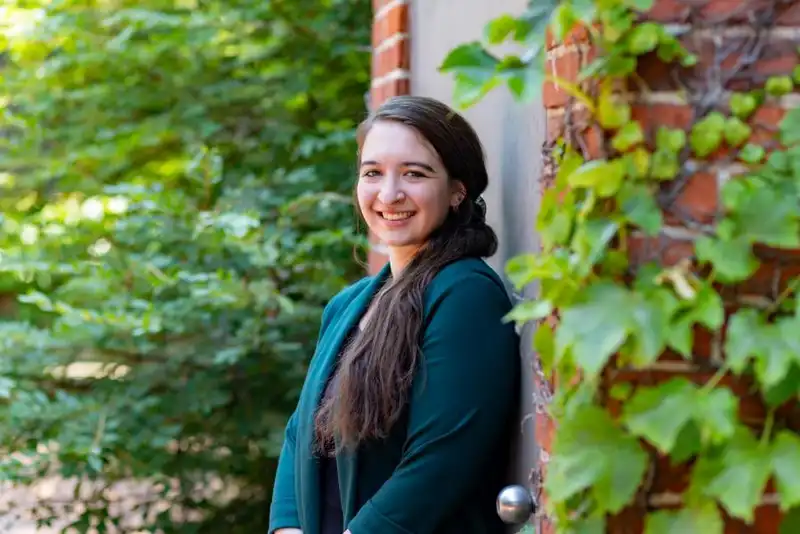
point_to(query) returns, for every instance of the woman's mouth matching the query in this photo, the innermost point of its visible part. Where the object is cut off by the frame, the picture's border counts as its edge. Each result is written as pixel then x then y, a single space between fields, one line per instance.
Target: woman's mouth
pixel 396 216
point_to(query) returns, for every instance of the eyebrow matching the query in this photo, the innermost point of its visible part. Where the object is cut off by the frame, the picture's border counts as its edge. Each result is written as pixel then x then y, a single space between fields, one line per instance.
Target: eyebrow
pixel 404 164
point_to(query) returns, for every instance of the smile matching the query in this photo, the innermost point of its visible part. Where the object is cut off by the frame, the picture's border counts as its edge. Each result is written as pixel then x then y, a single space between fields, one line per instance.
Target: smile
pixel 400 216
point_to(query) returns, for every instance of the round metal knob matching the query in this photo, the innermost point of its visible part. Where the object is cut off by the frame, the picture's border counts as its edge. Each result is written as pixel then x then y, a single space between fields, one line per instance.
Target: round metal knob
pixel 515 504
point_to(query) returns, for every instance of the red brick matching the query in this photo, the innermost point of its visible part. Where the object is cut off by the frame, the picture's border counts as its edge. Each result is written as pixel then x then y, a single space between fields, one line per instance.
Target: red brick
pixel 389 24
pixel 733 11
pixel 697 200
pixel 395 56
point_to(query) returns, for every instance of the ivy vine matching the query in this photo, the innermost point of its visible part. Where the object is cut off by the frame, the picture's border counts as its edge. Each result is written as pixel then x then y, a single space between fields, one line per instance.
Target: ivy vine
pixel 613 304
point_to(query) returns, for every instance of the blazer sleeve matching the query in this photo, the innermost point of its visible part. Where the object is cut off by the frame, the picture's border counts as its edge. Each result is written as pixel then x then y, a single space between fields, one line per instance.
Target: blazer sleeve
pixel 460 409
pixel 283 512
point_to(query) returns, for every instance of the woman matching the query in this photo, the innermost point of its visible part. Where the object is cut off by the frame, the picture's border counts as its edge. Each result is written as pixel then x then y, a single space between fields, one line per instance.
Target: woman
pixel 403 422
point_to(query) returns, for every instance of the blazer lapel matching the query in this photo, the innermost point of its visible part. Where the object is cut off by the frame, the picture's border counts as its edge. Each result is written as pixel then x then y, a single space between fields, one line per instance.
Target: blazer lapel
pixel 330 347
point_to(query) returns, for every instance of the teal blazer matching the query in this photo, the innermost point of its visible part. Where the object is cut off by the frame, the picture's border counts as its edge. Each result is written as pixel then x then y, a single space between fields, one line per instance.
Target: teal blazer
pixel 444 462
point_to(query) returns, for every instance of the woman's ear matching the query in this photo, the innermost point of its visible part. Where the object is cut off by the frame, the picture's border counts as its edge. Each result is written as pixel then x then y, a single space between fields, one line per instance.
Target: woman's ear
pixel 458 193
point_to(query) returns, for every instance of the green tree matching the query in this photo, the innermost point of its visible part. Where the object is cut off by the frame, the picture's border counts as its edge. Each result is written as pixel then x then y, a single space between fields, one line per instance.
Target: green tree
pixel 176 212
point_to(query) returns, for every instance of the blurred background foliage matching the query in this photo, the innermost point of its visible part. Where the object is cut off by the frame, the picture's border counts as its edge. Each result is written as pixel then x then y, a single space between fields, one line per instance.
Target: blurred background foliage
pixel 175 205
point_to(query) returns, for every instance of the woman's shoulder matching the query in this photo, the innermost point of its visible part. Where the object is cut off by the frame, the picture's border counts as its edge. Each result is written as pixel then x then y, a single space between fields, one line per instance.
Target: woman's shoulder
pixel 349 292
pixel 468 276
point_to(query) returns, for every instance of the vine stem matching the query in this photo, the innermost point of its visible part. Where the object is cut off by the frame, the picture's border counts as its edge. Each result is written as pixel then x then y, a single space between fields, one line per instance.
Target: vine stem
pixel 767 428
pixel 573 90
pixel 719 375
pixel 783 296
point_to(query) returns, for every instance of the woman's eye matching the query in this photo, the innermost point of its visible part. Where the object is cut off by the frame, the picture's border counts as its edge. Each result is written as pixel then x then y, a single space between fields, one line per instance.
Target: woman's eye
pixel 415 174
pixel 370 174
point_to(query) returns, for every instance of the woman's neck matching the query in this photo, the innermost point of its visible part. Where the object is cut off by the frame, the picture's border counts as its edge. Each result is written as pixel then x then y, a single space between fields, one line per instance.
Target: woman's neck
pixel 400 257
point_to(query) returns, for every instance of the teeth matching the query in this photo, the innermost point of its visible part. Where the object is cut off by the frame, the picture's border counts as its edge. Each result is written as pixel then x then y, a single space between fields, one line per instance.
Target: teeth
pixel 397 216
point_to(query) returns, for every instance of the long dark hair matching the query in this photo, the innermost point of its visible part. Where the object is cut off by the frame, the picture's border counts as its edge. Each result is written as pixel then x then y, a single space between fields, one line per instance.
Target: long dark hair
pixel 374 376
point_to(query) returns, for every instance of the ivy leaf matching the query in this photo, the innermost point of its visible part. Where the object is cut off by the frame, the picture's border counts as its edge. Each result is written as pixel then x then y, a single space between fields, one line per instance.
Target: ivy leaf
pixel 790 127
pixel 658 414
pixel 790 524
pixel 603 176
pixel 749 336
pixel 716 413
pixel 743 105
pixel 732 259
pixel 762 213
pixel 529 310
pixel 779 85
pixel 644 38
pixel 612 111
pixel 640 208
pixel 498 29
pixel 740 344
pixel 670 139
pixel 736 131
pixel 744 472
pixel 786 467
pixel 640 5
pixel 752 153
pixel 664 165
pixel 707 134
pixel 474 71
pixel 586 450
pixel 628 136
pixel 593 335
pixel 704 518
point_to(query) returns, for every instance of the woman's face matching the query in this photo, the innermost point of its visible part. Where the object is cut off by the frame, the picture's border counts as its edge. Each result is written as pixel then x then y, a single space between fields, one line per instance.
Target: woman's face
pixel 403 189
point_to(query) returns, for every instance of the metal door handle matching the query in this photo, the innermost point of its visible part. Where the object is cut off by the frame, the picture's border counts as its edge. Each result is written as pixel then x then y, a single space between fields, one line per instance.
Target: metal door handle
pixel 515 505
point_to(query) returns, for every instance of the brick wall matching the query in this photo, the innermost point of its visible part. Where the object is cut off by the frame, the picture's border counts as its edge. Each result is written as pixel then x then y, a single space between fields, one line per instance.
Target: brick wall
pixel 699 198
pixel 390 70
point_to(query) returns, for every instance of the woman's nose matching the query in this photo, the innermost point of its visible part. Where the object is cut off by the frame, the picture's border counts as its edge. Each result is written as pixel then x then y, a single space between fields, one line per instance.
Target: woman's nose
pixel 390 192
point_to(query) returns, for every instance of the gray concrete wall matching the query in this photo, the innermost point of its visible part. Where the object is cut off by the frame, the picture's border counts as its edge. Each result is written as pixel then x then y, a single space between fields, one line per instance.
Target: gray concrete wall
pixel 512 136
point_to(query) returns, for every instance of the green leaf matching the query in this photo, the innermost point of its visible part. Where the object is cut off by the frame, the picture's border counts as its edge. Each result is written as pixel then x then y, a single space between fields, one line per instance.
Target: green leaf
pixel 716 414
pixel 664 165
pixel 592 335
pixel 639 5
pixel 751 153
pixel 699 519
pixel 745 469
pixel 669 139
pixel 707 134
pixel 736 131
pixel 786 466
pixel 529 310
pixel 644 38
pixel 585 453
pixel 628 136
pixel 733 259
pixel 659 414
pixel 499 29
pixel 743 105
pixel 761 213
pixel 779 85
pixel 750 337
pixel 740 345
pixel 525 268
pixel 790 523
pixel 612 111
pixel 603 176
pixel 639 206
pixel 474 71
pixel 790 127
pixel 563 20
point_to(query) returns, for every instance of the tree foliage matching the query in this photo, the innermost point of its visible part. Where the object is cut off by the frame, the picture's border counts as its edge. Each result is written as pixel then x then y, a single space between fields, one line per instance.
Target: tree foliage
pixel 175 208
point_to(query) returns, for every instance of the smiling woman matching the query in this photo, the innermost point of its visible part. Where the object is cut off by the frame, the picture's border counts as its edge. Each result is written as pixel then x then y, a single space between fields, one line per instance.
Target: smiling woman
pixel 410 399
